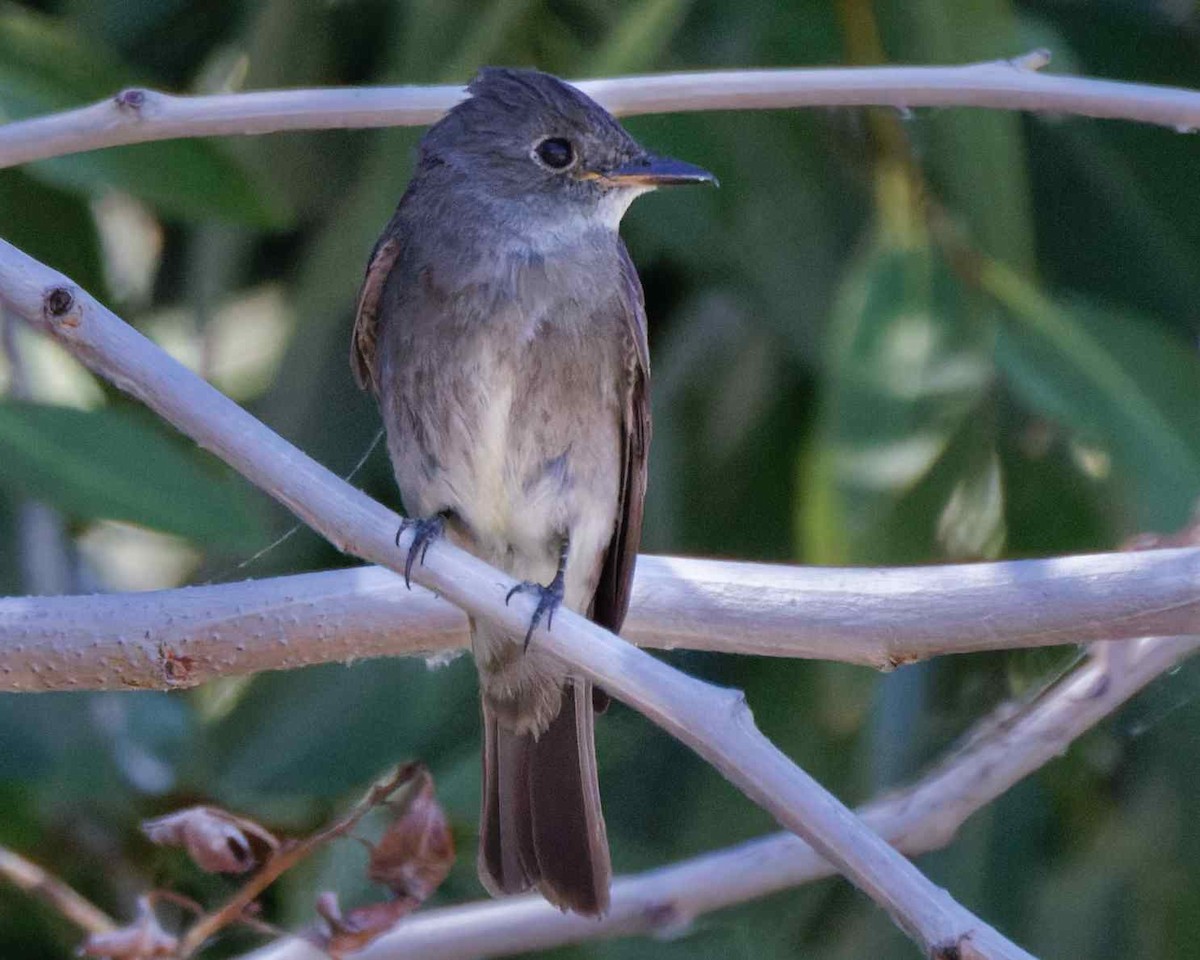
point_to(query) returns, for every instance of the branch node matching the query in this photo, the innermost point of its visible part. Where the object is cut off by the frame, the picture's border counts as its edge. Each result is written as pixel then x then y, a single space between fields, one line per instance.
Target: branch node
pixel 737 706
pixel 131 100
pixel 894 659
pixel 666 920
pixel 176 668
pixel 57 305
pixel 1032 61
pixel 961 948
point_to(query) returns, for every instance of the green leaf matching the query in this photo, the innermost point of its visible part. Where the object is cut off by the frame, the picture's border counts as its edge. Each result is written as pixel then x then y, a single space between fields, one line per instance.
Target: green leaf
pixel 114 464
pixel 279 738
pixel 45 67
pixel 974 158
pixel 639 37
pixel 902 467
pixel 1105 195
pixel 190 179
pixel 478 44
pixel 53 226
pixel 785 249
pixel 1116 380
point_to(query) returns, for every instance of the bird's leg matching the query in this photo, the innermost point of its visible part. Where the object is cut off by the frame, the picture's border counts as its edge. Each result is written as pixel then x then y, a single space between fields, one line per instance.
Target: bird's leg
pixel 550 595
pixel 427 529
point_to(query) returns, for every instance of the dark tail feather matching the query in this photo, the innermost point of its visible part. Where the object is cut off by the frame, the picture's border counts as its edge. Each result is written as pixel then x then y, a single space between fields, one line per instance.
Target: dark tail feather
pixel 568 823
pixel 542 822
pixel 507 863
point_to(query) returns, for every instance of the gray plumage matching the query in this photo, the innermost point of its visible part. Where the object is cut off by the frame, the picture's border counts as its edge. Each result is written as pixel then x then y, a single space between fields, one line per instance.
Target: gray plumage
pixel 502 329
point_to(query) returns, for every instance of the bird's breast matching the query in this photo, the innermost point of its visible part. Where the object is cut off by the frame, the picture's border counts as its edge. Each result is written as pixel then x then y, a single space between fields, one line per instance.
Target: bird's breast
pixel 511 392
pixel 492 462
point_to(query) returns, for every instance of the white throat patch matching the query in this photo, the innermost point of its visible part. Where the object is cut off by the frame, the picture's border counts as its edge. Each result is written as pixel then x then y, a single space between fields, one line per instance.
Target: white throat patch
pixel 614 204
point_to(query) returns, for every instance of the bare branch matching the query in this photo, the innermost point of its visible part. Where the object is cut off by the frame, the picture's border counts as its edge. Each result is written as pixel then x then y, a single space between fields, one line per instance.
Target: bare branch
pixel 881 618
pixel 135 116
pixel 38 882
pixel 715 723
pixel 1008 745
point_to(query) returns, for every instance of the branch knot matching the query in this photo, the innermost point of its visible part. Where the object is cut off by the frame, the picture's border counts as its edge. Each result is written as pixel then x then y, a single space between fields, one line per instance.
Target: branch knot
pixel 57 303
pixel 1033 61
pixel 130 100
pixel 961 949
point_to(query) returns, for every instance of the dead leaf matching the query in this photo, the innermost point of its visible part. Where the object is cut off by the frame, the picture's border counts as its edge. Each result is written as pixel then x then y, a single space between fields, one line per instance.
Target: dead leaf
pixel 216 840
pixel 144 939
pixel 362 925
pixel 416 852
pixel 412 858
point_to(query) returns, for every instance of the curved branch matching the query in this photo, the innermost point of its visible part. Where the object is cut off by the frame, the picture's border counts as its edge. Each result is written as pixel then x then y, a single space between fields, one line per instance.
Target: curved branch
pixel 716 723
pixel 136 115
pixel 1007 746
pixel 878 617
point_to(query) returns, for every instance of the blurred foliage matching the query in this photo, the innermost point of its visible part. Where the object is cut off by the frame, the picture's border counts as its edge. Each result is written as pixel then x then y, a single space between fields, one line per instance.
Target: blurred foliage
pixel 887 339
pixel 80 460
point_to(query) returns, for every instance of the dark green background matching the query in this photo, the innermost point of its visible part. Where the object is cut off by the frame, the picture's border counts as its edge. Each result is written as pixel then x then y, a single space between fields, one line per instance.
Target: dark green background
pixel 835 382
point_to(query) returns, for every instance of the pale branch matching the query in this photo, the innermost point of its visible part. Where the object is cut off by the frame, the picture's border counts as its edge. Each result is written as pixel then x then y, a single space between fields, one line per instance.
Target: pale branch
pixel 1008 745
pixel 39 882
pixel 716 723
pixel 137 115
pixel 877 617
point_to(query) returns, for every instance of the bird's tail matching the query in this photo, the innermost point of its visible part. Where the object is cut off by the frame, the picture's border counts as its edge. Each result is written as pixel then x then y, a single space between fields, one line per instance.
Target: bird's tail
pixel 541 823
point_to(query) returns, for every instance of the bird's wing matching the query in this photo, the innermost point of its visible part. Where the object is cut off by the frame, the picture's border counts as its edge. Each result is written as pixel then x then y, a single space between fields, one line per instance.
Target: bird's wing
pixel 365 339
pixel 611 602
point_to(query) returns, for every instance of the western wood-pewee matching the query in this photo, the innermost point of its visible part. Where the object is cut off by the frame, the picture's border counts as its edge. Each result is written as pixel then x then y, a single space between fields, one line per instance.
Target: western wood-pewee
pixel 501 328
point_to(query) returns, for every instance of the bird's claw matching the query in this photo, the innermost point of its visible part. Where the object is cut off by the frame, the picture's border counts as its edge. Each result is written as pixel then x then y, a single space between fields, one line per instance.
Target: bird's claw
pixel 426 531
pixel 550 598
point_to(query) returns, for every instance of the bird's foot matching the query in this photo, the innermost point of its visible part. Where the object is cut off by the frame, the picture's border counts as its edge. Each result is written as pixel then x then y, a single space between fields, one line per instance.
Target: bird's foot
pixel 426 530
pixel 550 598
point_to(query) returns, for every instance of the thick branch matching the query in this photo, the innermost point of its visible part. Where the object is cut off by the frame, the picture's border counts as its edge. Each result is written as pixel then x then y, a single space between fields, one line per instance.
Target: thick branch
pixel 882 618
pixel 1007 746
pixel 715 723
pixel 135 116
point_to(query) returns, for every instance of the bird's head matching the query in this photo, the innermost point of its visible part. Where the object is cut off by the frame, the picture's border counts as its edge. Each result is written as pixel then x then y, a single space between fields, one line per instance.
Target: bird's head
pixel 531 140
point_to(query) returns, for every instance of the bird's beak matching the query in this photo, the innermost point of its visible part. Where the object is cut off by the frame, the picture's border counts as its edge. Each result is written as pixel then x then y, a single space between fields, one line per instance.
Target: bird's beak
pixel 652 171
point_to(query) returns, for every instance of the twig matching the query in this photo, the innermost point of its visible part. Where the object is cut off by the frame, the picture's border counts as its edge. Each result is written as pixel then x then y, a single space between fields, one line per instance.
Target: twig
pixel 286 857
pixel 137 115
pixel 1009 745
pixel 38 882
pixel 716 723
pixel 881 618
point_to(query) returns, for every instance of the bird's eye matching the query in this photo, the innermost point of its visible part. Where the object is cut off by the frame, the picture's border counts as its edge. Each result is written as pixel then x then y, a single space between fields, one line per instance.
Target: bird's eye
pixel 555 152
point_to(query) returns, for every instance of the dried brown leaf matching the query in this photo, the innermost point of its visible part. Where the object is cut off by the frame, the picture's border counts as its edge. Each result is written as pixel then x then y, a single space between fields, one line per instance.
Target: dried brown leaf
pixel 416 852
pixel 288 855
pixel 144 939
pixel 353 931
pixel 412 858
pixel 215 839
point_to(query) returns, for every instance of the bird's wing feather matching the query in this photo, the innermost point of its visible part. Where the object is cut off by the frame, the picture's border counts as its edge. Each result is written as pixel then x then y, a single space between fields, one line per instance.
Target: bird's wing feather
pixel 365 339
pixel 611 602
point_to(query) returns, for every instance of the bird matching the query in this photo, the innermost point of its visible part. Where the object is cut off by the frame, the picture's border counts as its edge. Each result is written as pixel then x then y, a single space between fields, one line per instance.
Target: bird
pixel 501 327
